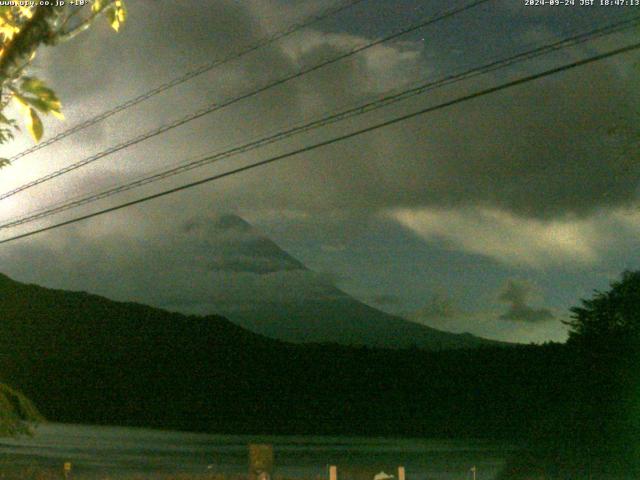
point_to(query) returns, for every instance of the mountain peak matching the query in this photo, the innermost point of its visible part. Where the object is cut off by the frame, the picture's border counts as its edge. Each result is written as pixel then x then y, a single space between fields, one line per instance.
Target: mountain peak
pixel 292 303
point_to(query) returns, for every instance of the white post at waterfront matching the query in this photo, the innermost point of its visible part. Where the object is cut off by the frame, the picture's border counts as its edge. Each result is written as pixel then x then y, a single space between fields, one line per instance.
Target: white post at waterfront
pixel 66 469
pixel 473 469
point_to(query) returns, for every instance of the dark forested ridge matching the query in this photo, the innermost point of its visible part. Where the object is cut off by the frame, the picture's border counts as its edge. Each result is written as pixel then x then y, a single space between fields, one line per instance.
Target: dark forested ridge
pixel 83 358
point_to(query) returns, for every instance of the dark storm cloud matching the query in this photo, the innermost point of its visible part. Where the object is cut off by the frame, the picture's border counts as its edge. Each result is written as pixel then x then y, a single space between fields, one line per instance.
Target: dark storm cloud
pixel 160 40
pixel 544 150
pixel 516 294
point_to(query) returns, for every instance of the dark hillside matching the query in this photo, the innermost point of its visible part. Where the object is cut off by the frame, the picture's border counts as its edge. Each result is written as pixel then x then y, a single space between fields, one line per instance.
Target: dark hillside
pixel 83 358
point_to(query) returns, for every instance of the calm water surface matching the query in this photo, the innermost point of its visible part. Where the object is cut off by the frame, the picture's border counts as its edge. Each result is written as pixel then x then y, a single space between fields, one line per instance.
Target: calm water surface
pixel 117 451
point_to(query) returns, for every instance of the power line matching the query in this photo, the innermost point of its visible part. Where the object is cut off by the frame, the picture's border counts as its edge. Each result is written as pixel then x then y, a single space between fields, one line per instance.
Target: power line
pixel 360 109
pixel 214 107
pixel 449 103
pixel 306 22
pixel 386 100
pixel 390 97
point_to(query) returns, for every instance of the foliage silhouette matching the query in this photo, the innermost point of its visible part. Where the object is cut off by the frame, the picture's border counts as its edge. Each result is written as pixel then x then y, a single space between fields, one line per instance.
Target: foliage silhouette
pixel 592 429
pixel 23 29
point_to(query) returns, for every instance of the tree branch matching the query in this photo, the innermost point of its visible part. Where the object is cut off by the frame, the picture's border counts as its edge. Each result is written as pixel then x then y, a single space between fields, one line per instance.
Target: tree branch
pixel 37 30
pixel 82 26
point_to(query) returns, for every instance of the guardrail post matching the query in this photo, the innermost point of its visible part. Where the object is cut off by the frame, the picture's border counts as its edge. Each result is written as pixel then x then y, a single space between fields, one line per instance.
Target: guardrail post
pixel 333 472
pixel 260 461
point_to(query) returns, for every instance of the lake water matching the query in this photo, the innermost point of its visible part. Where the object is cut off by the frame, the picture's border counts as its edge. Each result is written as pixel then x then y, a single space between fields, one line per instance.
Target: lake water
pixel 96 452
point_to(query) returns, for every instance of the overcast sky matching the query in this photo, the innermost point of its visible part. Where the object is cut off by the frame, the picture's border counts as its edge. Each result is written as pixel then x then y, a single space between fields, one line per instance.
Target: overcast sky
pixel 493 216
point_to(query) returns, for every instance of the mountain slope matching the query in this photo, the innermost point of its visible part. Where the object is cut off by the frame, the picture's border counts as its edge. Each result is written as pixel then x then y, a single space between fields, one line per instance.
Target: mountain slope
pixel 307 308
pixel 346 321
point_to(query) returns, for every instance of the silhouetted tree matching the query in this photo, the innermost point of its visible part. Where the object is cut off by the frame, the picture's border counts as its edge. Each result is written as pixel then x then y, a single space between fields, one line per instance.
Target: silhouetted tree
pixel 609 318
pixel 591 428
pixel 605 340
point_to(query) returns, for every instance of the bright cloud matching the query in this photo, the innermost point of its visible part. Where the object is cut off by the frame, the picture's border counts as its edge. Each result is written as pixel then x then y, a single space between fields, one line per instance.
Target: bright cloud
pixel 506 237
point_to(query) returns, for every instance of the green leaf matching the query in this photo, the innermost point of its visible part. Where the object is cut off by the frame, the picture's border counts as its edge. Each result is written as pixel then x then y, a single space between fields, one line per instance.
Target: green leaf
pixel 113 19
pixel 34 124
pixel 37 87
pixel 117 15
pixel 4 162
pixel 46 104
pixel 38 104
pixel 30 84
pixel 121 10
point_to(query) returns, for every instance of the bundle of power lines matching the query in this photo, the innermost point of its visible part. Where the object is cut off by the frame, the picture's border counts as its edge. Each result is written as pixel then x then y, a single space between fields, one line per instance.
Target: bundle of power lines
pixel 372 104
